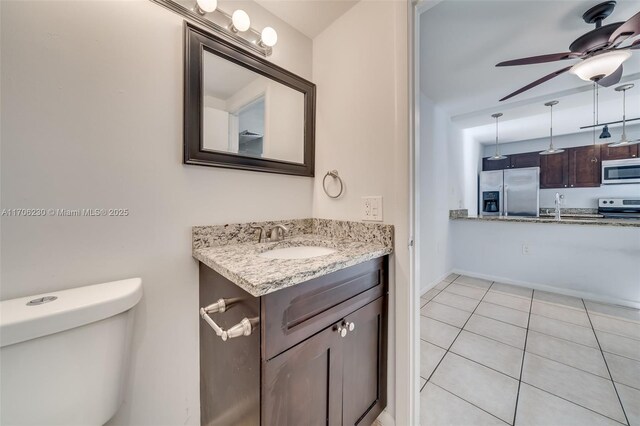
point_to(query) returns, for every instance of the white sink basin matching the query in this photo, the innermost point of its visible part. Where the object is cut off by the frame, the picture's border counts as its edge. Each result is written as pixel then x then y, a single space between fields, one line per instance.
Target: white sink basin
pixel 300 252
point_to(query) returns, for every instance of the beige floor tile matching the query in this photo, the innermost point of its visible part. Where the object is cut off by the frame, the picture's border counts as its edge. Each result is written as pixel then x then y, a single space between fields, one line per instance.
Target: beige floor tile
pixel 619 345
pixel 585 389
pixel 624 370
pixel 497 330
pixel 441 408
pixel 430 356
pixel 558 300
pixel 467 291
pixel 451 278
pixel 503 358
pixel 436 332
pixel 474 282
pixel 616 326
pixel 540 408
pixel 561 313
pixel 631 402
pixel 613 311
pixel 430 294
pixel 563 330
pixel 483 387
pixel 513 302
pixel 441 285
pixel 456 301
pixel 444 313
pixel 502 313
pixel 573 354
pixel 512 290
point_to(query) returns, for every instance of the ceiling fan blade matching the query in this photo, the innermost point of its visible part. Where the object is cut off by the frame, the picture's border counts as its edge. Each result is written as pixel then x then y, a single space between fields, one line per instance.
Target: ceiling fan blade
pixel 629 28
pixel 611 79
pixel 635 44
pixel 539 59
pixel 535 83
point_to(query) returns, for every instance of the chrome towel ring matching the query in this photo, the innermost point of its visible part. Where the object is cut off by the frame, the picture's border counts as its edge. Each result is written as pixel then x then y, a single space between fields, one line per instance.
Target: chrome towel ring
pixel 333 174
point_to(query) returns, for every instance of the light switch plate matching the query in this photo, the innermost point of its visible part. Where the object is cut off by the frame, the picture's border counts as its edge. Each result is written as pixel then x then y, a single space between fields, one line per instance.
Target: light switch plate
pixel 372 208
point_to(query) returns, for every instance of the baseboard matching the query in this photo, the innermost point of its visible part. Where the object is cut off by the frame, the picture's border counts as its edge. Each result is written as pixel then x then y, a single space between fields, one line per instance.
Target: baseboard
pixel 434 283
pixel 384 419
pixel 552 289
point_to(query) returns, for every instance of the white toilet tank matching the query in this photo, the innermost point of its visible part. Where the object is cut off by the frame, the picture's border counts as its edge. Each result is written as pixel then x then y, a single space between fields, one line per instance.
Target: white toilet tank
pixel 63 362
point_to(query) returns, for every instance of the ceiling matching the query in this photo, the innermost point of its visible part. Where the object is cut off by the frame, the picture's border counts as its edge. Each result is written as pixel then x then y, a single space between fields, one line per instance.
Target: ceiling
pixel 310 17
pixel 235 77
pixel 461 41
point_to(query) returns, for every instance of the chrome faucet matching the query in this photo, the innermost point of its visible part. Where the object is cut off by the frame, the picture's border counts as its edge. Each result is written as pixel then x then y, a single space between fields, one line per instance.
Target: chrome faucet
pixel 278 232
pixel 558 201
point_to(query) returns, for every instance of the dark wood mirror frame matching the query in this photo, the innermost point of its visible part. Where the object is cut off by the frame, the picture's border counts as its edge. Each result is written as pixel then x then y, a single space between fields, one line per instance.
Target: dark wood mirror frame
pixel 196 42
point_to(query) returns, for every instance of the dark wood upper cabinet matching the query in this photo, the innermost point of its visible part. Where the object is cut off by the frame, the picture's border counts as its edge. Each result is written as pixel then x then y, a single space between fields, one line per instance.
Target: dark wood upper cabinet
pixel 527 159
pixel 584 166
pixel 619 153
pixel 488 165
pixel 554 170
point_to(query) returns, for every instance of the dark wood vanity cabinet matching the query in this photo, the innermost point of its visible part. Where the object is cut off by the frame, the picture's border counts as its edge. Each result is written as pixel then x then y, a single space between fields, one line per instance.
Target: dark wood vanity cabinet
pixel 527 159
pixel 488 165
pixel 297 367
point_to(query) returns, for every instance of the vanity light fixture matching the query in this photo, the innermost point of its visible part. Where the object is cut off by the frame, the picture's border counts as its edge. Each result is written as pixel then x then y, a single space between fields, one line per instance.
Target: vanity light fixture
pixel 623 138
pixel 551 149
pixel 240 21
pixel 268 37
pixel 497 155
pixel 206 6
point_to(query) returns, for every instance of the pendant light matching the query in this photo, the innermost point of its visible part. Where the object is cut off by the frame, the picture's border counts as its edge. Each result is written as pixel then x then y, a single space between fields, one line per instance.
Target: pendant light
pixel 551 149
pixel 623 138
pixel 497 155
pixel 605 132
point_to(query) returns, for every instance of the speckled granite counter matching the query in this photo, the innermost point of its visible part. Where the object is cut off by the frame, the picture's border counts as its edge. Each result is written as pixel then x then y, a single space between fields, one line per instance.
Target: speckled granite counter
pixel 592 221
pixel 232 251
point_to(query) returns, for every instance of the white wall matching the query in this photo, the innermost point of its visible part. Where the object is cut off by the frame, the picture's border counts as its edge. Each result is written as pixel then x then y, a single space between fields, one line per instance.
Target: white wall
pixel 597 262
pixel 362 122
pixel 573 197
pixel 439 188
pixel 92 117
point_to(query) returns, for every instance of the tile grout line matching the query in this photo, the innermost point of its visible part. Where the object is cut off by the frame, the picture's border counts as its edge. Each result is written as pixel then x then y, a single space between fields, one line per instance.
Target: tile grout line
pixel 606 364
pixel 468 402
pixel 524 352
pixel 572 402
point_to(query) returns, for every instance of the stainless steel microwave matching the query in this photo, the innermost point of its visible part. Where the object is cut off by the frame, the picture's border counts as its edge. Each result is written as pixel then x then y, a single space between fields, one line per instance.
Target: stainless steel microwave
pixel 621 171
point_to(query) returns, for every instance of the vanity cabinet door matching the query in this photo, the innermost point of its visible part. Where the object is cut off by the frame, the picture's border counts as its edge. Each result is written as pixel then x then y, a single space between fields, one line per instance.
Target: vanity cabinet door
pixel 619 153
pixel 303 386
pixel 488 165
pixel 554 170
pixel 364 377
pixel 584 166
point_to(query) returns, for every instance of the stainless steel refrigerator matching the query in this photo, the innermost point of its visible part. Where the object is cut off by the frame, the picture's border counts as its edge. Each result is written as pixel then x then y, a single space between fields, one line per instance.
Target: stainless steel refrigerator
pixel 514 192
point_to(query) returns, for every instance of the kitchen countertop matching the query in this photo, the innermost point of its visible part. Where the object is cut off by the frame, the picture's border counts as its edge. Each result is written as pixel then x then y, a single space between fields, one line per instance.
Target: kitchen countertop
pixel 258 276
pixel 567 220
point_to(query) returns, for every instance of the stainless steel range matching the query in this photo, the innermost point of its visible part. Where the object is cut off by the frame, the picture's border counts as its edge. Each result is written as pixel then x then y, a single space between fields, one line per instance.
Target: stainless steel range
pixel 619 208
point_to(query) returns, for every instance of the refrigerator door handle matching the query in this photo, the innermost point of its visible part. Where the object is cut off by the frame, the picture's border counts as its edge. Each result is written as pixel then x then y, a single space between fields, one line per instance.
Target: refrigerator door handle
pixel 506 200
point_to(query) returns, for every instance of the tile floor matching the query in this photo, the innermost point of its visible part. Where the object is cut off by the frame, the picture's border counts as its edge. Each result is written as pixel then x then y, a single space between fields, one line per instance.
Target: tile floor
pixel 495 354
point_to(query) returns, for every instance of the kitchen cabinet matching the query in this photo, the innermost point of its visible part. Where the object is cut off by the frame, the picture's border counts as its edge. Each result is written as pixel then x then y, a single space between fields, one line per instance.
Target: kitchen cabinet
pixel 554 170
pixel 488 165
pixel 619 153
pixel 527 159
pixel 318 356
pixel 584 166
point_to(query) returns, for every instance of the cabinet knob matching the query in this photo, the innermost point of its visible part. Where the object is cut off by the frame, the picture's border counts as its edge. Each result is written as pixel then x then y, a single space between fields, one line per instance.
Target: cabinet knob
pixel 345 327
pixel 342 331
pixel 352 326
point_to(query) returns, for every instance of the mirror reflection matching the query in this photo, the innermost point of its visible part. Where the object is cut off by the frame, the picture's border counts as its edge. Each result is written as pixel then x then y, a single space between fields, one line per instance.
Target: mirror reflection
pixel 250 115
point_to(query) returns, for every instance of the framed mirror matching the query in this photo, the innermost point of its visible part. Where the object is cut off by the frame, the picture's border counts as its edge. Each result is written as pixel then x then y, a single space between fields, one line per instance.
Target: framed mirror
pixel 243 112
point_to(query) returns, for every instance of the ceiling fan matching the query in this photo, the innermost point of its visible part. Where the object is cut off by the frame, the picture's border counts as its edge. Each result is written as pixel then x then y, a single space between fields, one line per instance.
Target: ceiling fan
pixel 601 58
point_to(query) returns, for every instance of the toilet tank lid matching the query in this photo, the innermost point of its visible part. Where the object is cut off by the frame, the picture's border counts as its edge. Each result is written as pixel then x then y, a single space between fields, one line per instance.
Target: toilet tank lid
pixel 72 308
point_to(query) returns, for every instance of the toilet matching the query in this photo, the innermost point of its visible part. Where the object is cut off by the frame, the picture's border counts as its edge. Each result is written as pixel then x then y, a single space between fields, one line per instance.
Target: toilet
pixel 64 354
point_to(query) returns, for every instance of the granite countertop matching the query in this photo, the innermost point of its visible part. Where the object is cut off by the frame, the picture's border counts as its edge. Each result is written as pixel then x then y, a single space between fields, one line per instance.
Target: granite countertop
pixel 233 252
pixel 567 220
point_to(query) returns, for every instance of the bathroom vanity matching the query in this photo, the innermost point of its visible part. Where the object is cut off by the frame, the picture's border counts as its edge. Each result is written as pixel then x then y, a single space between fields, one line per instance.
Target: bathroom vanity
pixel 316 347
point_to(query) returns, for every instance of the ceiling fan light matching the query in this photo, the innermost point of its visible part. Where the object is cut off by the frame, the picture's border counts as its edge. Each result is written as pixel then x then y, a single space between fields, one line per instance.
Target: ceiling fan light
pixel 600 66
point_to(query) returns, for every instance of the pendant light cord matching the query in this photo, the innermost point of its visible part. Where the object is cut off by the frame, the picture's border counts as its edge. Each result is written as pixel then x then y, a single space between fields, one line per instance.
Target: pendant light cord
pixel 551 130
pixel 496 137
